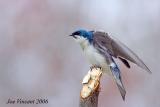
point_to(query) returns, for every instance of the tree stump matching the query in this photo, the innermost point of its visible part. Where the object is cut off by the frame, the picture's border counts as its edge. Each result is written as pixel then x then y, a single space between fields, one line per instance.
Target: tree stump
pixel 91 87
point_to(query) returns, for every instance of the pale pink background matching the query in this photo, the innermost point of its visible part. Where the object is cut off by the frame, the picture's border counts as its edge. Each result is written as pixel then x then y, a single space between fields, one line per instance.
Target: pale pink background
pixel 39 60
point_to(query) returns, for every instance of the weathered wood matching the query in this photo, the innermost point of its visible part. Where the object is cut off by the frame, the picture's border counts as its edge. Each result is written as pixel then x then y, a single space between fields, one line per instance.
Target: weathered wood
pixel 91 87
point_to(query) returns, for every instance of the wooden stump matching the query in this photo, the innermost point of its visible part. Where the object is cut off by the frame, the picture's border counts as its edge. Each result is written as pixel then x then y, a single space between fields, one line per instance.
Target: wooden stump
pixel 91 87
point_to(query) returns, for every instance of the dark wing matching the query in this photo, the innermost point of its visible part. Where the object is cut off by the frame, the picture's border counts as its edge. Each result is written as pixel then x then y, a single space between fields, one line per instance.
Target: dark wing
pixel 117 49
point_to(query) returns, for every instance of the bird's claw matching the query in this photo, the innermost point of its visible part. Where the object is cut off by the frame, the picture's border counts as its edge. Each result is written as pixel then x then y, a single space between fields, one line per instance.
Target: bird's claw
pixel 95 66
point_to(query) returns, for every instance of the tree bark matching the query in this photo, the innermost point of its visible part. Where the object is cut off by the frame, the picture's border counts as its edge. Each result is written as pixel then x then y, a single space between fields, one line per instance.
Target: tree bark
pixel 91 87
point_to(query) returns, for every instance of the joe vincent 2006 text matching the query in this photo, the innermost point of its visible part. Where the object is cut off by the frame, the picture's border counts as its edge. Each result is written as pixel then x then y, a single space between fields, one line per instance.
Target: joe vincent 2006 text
pixel 27 101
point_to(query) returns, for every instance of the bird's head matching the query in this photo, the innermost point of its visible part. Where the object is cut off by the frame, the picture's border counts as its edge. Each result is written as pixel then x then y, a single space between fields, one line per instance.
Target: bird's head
pixel 82 35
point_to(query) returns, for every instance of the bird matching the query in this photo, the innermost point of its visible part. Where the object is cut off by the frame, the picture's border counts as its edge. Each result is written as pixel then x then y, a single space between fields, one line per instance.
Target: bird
pixel 101 49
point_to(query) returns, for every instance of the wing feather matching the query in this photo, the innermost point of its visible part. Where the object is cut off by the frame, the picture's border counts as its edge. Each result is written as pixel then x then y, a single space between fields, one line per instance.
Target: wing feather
pixel 117 49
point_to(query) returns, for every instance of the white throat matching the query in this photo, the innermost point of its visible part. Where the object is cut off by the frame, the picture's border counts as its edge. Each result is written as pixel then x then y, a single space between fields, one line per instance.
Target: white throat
pixel 84 43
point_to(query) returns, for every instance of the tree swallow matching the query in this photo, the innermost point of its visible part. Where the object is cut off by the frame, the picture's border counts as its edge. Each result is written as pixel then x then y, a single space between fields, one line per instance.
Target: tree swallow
pixel 100 49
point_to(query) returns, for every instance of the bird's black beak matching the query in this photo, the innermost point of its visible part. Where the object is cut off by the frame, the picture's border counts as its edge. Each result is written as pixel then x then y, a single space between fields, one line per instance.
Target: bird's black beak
pixel 73 36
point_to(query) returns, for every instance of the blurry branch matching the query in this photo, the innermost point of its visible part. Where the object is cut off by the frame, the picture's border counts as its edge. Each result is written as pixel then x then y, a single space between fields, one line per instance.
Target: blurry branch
pixel 90 90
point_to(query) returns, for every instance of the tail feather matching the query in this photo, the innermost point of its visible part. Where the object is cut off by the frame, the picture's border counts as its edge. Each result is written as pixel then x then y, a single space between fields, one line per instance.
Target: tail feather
pixel 117 77
pixel 121 89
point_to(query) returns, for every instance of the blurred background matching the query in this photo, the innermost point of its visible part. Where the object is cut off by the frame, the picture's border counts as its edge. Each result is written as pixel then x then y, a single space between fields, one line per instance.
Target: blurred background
pixel 39 60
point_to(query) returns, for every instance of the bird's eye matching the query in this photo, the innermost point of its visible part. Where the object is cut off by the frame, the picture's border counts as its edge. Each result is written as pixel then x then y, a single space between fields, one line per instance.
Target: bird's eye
pixel 76 33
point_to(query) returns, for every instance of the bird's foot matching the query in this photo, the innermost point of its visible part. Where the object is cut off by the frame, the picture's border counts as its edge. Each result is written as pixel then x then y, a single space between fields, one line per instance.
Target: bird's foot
pixel 96 67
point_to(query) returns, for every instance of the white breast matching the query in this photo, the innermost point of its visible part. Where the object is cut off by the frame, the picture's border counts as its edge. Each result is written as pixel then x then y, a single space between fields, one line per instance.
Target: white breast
pixel 94 57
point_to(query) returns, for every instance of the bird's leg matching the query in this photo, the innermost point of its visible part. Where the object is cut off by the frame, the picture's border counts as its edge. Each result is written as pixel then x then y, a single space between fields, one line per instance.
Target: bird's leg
pixel 95 66
pixel 92 67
